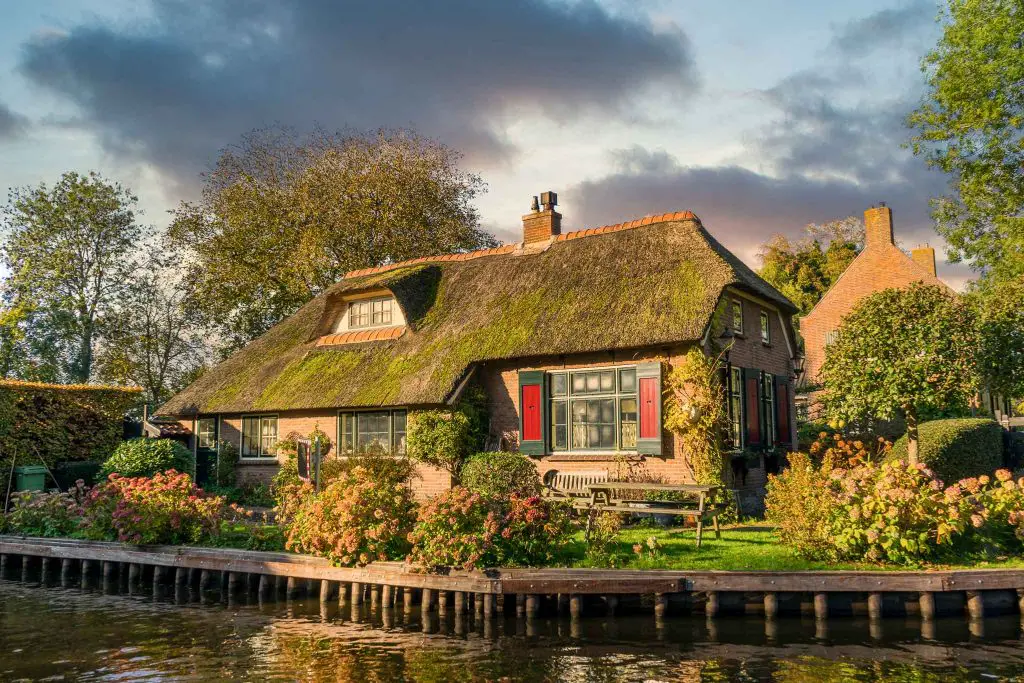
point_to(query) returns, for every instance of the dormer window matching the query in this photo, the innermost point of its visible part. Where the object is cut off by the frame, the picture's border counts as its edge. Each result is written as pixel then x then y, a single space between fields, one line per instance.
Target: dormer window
pixel 370 313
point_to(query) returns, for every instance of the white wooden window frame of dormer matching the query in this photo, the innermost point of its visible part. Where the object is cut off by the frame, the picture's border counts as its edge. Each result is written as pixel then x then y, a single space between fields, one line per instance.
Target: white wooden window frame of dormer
pixel 394 317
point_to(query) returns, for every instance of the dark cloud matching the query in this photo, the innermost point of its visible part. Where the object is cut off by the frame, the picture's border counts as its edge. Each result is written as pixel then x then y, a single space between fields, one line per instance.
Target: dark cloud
pixel 200 75
pixel 886 28
pixel 12 124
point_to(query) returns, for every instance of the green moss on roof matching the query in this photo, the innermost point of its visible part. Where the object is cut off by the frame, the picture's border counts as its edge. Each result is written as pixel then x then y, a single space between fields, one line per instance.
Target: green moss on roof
pixel 653 285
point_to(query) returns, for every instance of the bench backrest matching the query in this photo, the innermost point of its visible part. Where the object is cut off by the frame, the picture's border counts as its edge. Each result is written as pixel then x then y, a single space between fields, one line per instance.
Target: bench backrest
pixel 575 483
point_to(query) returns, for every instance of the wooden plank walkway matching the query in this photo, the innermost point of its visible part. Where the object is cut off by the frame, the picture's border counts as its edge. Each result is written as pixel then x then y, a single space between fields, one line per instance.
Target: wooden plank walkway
pixel 826 593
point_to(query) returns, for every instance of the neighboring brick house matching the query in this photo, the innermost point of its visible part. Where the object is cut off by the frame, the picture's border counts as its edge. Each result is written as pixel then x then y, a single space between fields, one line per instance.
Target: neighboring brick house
pixel 569 335
pixel 881 265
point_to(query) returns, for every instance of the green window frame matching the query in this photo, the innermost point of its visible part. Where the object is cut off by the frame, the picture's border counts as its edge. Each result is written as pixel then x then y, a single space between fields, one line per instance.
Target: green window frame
pixel 593 409
pixel 768 436
pixel 364 430
pixel 735 407
pixel 737 316
pixel 207 432
pixel 766 328
pixel 259 437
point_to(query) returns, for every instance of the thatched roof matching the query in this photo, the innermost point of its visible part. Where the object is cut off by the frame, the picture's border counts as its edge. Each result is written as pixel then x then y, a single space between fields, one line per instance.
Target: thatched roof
pixel 648 283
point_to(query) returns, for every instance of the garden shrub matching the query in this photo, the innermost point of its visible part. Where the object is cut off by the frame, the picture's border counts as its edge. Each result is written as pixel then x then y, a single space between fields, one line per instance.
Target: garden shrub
pixel 499 474
pixel 355 520
pixel 957 449
pixel 440 438
pixel 799 503
pixel 602 545
pixel 167 508
pixel 847 449
pixel 145 457
pixel 1001 500
pixel 35 513
pixel 463 529
pixel 376 463
pixel 224 466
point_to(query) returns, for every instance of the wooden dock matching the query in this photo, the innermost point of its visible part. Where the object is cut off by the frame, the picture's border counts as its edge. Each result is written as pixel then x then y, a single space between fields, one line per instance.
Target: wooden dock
pixel 973 594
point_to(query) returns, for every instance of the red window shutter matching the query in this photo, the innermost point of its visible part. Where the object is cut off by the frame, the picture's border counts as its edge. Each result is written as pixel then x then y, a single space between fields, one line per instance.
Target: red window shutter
pixel 753 399
pixel 649 394
pixel 531 412
pixel 782 410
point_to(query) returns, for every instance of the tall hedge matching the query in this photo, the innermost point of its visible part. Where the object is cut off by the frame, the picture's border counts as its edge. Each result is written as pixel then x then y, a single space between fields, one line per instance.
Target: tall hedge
pixel 60 422
pixel 958 448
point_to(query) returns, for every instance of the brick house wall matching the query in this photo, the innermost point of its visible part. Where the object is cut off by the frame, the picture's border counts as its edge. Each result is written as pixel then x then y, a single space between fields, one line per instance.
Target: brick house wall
pixel 881 265
pixel 501 383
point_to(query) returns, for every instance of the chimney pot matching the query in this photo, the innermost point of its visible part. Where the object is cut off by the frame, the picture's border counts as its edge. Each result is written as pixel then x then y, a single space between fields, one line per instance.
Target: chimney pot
pixel 544 222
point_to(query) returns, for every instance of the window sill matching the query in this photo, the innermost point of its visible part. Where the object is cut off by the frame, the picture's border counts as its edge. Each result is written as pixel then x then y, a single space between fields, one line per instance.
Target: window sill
pixel 258 461
pixel 591 456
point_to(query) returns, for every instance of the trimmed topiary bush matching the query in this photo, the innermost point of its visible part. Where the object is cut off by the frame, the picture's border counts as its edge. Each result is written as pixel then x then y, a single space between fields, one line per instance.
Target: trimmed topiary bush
pixel 500 474
pixel 146 457
pixel 958 448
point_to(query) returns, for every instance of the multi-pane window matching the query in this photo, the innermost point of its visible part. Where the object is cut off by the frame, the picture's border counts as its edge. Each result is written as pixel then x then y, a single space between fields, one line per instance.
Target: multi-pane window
pixel 736 407
pixel 206 432
pixel 766 330
pixel 831 336
pixel 372 430
pixel 593 409
pixel 259 436
pixel 370 313
pixel 737 316
pixel 768 408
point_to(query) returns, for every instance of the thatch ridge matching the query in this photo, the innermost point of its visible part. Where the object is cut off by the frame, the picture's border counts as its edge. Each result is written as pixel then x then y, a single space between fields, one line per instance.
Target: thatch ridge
pixel 652 284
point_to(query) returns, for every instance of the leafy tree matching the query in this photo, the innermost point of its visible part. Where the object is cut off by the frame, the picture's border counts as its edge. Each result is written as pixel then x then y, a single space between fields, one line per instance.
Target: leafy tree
pixel 283 217
pixel 901 352
pixel 152 340
pixel 999 309
pixel 68 250
pixel 805 269
pixel 972 127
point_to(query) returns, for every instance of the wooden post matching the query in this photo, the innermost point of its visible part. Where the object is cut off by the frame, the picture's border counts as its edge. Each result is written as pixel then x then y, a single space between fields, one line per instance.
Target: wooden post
pixel 109 570
pixel 387 595
pixel 771 605
pixel 159 576
pixel 927 603
pixel 575 605
pixel 234 583
pixel 442 603
pixel 427 600
pixel 821 606
pixel 294 590
pixel 532 606
pixel 460 602
pixel 357 593
pixel 563 603
pixel 520 604
pixel 488 605
pixel 374 596
pixel 711 607
pixel 1020 601
pixel 660 605
pixel 326 591
pixel 407 599
pixel 265 588
pixel 975 606
pixel 3 565
pixel 67 570
pixel 874 606
pixel 181 576
pixel 344 593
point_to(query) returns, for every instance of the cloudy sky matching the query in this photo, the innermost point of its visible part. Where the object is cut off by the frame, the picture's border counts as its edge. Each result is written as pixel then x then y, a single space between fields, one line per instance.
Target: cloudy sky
pixel 758 115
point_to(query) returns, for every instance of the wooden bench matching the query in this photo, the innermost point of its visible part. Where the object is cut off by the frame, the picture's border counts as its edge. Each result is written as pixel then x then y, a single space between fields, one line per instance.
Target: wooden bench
pixel 592 492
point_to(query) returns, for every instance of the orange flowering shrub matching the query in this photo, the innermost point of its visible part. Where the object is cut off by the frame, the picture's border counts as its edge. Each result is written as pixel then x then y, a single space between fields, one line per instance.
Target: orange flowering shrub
pixel 838 448
pixel 466 530
pixel 356 520
pixel 165 508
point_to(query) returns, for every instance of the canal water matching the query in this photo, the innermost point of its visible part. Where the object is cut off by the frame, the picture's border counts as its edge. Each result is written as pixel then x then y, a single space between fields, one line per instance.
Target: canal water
pixel 52 633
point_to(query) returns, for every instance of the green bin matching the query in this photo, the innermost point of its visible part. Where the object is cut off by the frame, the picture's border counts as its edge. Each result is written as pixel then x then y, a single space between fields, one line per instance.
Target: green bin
pixel 30 478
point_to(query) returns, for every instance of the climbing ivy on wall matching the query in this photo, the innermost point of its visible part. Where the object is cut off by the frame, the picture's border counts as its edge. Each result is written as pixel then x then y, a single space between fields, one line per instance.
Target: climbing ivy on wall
pixel 695 412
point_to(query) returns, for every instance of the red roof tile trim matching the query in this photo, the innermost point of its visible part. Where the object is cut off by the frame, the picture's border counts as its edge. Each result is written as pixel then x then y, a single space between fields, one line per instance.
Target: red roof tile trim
pixel 509 248
pixel 360 336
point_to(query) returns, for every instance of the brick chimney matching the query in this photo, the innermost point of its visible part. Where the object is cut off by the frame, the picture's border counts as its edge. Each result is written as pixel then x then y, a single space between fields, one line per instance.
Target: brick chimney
pixel 543 222
pixel 878 226
pixel 924 257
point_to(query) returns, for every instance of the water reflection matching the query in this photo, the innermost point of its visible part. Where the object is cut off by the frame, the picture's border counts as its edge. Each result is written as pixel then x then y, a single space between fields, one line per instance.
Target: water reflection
pixel 118 630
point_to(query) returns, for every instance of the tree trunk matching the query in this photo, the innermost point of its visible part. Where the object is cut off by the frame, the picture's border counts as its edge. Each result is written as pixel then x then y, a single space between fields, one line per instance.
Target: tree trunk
pixel 83 364
pixel 912 436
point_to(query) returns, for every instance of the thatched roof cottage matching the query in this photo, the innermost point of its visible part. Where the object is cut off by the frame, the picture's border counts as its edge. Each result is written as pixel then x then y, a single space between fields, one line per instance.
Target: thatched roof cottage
pixel 569 335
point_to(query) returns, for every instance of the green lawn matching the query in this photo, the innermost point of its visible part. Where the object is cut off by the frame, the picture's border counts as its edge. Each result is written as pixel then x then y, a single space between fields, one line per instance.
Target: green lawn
pixel 744 547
